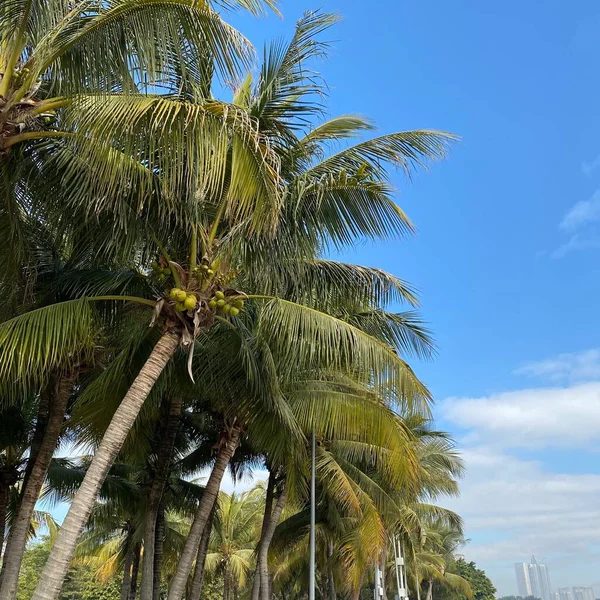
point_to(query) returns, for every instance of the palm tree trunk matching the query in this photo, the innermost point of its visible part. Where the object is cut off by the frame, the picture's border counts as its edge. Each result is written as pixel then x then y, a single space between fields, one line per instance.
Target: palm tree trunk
pixel 226 586
pixel 198 581
pixel 53 574
pixel 226 450
pixel 155 494
pixel 331 586
pixel 135 569
pixel 324 584
pixel 383 572
pixel 126 585
pixel 4 495
pixel 265 542
pixel 52 417
pixel 361 581
pixel 41 422
pixel 256 584
pixel 158 551
pixel 429 590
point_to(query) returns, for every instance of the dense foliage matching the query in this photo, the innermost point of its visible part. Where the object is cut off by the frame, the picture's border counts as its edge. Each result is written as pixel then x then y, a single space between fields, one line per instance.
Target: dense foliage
pixel 482 586
pixel 81 582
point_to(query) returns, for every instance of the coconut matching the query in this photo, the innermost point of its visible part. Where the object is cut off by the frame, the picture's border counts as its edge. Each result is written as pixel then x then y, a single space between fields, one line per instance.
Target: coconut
pixel 190 302
pixel 180 296
pixel 234 311
pixel 219 295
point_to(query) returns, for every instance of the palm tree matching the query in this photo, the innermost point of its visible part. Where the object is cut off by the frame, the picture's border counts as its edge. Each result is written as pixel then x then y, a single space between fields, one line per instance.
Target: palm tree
pixel 231 546
pixel 432 562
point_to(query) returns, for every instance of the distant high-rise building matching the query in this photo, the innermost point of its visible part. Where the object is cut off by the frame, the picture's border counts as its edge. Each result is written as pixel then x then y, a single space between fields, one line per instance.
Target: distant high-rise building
pixel 583 593
pixel 523 581
pixel 533 579
pixel 565 593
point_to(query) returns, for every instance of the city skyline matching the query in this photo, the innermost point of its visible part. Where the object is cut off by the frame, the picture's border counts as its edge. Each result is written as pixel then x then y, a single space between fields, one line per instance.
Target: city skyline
pixel 575 593
pixel 533 580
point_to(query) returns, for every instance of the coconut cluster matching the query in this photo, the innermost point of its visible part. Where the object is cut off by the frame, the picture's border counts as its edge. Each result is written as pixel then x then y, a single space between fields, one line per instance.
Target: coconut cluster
pixel 204 270
pixel 183 300
pixel 161 273
pixel 228 306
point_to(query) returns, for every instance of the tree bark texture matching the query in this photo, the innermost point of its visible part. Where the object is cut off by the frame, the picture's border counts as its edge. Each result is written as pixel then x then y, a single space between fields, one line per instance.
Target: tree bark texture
pixel 127 563
pixel 158 551
pixel 155 494
pixel 51 415
pixel 135 570
pixel 225 452
pixel 265 543
pixel 198 581
pixel 53 574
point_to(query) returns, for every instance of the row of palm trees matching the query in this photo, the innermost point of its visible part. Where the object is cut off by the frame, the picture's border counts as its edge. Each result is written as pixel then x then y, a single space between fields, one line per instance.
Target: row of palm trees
pixel 131 197
pixel 230 560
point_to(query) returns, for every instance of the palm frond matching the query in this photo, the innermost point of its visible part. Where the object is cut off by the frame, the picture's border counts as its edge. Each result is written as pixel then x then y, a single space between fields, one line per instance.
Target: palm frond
pixel 110 45
pixel 59 336
pixel 286 89
pixel 307 338
pixel 405 150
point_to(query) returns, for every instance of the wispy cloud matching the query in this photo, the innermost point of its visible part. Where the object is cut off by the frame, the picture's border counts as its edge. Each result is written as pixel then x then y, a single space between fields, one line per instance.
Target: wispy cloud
pixel 573 245
pixel 582 213
pixel 574 366
pixel 589 168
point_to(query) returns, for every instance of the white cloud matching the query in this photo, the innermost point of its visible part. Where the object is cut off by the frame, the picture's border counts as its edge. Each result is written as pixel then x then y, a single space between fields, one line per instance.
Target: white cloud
pixel 582 213
pixel 589 168
pixel 576 366
pixel 573 245
pixel 531 418
pixel 514 508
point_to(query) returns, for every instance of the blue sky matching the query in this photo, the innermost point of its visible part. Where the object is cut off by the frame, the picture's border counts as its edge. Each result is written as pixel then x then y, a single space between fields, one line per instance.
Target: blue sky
pixel 507 252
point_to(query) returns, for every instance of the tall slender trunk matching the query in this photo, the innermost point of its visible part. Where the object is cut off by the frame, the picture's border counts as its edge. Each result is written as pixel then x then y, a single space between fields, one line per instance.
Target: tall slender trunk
pixel 53 574
pixel 135 569
pixel 190 549
pixel 41 422
pixel 226 585
pixel 155 494
pixel 198 581
pixel 256 584
pixel 44 448
pixel 324 587
pixel 429 590
pixel 361 581
pixel 331 581
pixel 126 585
pixel 382 565
pixel 4 495
pixel 158 550
pixel 265 542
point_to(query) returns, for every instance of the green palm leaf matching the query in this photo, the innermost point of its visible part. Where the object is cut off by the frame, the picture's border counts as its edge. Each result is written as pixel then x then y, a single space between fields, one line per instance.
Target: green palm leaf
pixel 305 337
pixel 59 336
